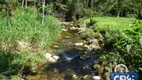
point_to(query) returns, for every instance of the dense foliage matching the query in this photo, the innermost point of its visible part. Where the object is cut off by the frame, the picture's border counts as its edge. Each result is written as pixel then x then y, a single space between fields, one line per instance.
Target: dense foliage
pixel 122 48
pixel 130 46
pixel 73 9
pixel 24 41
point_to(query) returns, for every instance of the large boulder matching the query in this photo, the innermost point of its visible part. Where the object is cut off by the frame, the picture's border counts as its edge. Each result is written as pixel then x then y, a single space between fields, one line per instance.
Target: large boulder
pixel 78 44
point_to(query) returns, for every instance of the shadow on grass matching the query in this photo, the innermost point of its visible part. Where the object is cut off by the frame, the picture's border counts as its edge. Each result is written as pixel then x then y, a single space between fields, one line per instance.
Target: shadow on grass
pixel 10 64
pixel 5 60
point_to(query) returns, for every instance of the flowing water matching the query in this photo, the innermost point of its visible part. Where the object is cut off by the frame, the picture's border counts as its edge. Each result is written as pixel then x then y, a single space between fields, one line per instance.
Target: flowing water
pixel 75 63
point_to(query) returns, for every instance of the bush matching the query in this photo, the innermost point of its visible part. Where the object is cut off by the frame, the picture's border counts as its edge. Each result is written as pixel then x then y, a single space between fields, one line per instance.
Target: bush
pixel 130 46
pixel 86 12
pixel 89 33
pixel 107 62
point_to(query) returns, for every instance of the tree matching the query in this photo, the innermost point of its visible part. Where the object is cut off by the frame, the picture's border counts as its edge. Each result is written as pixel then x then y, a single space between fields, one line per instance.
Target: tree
pixel 123 8
pixel 104 5
pixel 23 3
pixel 26 2
pixel 43 6
pixel 140 14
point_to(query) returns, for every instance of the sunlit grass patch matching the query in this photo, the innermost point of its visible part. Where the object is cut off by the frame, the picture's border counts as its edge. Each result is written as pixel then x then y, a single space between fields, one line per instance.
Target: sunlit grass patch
pixel 112 23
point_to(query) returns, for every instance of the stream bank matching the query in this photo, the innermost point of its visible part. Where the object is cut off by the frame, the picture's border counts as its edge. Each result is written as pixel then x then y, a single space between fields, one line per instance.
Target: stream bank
pixel 76 58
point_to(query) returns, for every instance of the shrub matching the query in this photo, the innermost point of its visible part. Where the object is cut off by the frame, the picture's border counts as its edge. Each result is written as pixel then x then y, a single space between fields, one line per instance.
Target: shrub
pixel 89 33
pixel 130 46
pixel 107 62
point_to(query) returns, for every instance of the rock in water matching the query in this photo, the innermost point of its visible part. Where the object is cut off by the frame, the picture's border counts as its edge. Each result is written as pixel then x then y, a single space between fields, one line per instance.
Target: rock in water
pixel 51 58
pixel 92 44
pixel 67 37
pixel 96 77
pixel 74 76
pixel 64 29
pixel 78 44
pixel 48 55
pixel 56 46
pixel 85 77
pixel 56 57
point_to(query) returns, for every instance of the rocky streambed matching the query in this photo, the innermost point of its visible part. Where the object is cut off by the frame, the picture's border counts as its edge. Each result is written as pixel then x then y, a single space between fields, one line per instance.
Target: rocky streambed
pixel 70 57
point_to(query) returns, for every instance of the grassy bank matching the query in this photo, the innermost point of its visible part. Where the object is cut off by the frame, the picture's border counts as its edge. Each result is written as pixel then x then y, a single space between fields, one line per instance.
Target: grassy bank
pixel 112 23
pixel 23 40
pixel 120 41
pixel 107 25
pixel 26 27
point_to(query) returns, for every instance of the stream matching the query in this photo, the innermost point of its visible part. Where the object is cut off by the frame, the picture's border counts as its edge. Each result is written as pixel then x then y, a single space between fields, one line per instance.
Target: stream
pixel 75 63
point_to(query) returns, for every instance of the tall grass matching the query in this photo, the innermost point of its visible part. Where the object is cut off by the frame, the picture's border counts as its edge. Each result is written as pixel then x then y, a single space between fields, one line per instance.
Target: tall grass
pixel 19 63
pixel 26 29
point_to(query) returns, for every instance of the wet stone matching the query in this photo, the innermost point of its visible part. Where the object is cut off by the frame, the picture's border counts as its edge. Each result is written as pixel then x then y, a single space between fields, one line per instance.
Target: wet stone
pixel 64 29
pixel 51 58
pixel 85 57
pixel 78 44
pixel 67 37
pixel 96 77
pixel 74 76
pixel 55 46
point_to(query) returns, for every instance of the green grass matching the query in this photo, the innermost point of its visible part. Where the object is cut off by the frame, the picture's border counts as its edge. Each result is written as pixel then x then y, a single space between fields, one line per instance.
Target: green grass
pixel 112 23
pixel 19 63
pixel 26 28
pixel 105 24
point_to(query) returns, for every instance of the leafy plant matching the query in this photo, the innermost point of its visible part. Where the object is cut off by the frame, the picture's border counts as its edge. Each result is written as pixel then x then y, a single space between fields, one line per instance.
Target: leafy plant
pixel 130 47
pixel 107 63
pixel 111 59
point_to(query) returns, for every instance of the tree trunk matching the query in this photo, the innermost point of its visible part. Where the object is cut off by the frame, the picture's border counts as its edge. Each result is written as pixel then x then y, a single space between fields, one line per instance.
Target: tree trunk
pixel 22 6
pixel 26 3
pixel 22 3
pixel 43 5
pixel 34 7
pixel 9 12
pixel 118 13
pixel 89 4
pixel 74 19
pixel 140 14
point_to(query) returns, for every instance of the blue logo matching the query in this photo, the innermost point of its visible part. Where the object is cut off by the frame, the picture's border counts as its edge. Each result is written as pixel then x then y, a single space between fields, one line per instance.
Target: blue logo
pixel 123 76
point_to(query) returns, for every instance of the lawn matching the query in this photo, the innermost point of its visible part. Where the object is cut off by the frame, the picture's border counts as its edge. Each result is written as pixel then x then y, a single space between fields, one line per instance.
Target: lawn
pixel 112 23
